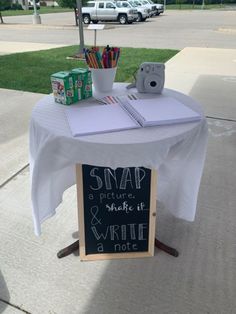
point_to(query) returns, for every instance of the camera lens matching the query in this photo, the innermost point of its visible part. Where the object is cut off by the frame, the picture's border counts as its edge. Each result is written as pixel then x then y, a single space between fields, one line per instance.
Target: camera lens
pixel 153 83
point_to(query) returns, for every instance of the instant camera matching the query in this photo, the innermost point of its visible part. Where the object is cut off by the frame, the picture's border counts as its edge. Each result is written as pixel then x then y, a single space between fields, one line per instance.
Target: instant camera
pixel 150 78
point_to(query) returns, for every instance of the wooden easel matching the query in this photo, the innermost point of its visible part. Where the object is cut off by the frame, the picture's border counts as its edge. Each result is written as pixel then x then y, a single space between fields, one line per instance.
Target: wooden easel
pixel 75 246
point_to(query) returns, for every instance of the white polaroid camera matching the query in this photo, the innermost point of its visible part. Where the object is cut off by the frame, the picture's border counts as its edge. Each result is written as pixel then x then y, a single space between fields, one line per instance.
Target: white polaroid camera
pixel 150 77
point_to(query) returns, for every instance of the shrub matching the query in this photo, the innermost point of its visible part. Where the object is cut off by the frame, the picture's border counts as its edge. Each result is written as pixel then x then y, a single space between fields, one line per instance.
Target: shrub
pixel 5 4
pixel 16 6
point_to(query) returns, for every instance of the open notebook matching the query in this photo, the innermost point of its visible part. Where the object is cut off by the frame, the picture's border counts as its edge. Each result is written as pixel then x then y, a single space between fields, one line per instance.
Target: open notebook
pixel 125 114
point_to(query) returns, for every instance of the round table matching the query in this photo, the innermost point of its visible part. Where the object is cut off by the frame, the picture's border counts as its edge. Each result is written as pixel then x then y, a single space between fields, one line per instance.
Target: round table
pixel 177 151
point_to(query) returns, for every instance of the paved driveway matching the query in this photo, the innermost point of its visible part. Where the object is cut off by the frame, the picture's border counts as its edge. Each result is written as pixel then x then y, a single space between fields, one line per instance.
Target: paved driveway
pixel 174 29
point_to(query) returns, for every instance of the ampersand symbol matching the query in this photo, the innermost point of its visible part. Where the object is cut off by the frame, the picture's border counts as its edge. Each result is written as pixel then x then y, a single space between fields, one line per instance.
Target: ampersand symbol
pixel 94 212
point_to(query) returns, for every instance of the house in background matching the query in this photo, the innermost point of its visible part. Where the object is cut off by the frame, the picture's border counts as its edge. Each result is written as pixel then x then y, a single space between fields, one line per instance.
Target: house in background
pixel 28 4
pixel 49 3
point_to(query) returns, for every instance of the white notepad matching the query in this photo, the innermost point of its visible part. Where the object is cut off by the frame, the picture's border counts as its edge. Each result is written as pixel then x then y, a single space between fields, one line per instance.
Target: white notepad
pixel 99 119
pixel 161 110
pixel 128 114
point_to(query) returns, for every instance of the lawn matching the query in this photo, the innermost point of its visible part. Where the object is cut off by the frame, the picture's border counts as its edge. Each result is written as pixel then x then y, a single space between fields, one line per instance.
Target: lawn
pixel 180 6
pixel 30 71
pixel 43 10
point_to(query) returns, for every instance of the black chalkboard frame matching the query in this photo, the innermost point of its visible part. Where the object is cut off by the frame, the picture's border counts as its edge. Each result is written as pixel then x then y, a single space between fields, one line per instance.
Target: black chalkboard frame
pixel 103 256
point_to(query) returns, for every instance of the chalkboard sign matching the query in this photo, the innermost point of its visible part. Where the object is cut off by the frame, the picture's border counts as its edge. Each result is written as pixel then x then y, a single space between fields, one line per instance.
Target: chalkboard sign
pixel 117 212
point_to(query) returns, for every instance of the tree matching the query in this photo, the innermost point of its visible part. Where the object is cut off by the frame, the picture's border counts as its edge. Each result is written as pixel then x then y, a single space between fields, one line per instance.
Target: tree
pixel 4 5
pixel 69 4
pixel 76 5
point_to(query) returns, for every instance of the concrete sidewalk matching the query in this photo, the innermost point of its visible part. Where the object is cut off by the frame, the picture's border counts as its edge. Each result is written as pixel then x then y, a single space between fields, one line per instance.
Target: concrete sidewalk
pixel 9 47
pixel 201 280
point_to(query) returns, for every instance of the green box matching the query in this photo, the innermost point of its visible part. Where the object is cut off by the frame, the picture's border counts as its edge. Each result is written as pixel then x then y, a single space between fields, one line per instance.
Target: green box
pixel 82 83
pixel 88 91
pixel 63 87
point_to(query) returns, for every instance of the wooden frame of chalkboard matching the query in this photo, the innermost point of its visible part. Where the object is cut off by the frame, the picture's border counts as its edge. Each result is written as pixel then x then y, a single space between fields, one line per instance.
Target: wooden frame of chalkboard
pixel 116 211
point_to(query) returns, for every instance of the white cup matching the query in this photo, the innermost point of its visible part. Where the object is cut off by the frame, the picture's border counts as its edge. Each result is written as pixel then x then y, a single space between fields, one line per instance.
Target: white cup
pixel 103 79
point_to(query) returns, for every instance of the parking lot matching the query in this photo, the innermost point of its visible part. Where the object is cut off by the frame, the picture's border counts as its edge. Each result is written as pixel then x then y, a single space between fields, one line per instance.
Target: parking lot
pixel 173 29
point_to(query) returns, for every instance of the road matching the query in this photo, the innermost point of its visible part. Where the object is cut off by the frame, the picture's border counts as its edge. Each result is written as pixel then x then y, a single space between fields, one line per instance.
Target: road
pixel 173 29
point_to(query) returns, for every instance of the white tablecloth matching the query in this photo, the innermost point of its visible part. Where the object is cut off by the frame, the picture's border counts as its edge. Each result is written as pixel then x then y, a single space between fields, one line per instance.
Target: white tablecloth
pixel 176 151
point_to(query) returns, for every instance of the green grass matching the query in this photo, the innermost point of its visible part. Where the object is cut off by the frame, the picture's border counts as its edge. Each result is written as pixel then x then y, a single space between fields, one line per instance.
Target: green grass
pixel 43 10
pixel 191 7
pixel 31 71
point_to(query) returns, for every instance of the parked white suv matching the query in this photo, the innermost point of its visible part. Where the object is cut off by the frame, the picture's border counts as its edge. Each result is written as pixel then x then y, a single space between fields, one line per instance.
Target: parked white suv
pixel 139 4
pixel 142 11
pixel 151 7
pixel 96 11
pixel 159 7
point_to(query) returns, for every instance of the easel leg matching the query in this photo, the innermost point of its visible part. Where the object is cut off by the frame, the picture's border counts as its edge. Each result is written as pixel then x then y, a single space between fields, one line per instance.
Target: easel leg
pixel 68 250
pixel 75 246
pixel 165 248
